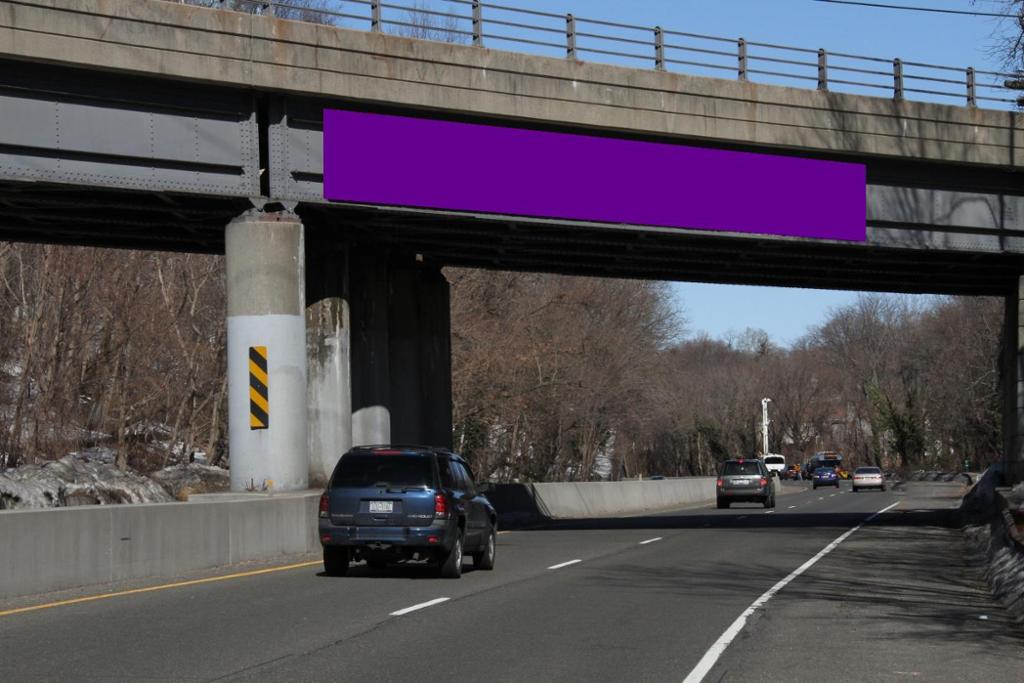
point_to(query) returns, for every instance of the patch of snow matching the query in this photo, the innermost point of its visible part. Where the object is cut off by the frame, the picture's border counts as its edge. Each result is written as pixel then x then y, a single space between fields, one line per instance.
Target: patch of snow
pixel 85 478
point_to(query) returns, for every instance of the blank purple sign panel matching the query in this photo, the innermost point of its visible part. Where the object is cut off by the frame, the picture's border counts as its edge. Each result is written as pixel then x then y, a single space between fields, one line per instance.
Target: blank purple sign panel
pixel 404 161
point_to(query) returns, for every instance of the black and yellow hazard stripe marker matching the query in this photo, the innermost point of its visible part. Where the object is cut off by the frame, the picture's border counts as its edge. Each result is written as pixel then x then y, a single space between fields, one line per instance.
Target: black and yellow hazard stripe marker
pixel 259 392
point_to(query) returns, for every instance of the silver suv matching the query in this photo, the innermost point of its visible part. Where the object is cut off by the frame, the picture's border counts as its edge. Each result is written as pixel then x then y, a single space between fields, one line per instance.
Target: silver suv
pixel 745 481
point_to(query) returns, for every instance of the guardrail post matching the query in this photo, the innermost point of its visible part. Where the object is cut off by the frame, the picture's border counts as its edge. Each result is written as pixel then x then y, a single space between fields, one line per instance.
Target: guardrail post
pixel 375 21
pixel 822 69
pixel 972 95
pixel 270 9
pixel 570 36
pixel 478 24
pixel 897 79
pixel 659 49
pixel 741 53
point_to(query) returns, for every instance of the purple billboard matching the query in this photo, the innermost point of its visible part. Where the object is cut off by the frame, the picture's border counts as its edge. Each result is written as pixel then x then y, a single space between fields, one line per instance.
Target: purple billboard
pixel 404 161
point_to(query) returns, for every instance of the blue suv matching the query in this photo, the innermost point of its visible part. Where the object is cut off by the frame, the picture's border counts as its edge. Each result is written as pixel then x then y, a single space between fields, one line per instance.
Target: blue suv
pixel 405 503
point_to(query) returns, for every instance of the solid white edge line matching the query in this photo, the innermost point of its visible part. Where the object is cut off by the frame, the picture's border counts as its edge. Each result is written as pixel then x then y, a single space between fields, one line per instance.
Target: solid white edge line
pixel 718 647
pixel 428 603
pixel 650 540
pixel 564 564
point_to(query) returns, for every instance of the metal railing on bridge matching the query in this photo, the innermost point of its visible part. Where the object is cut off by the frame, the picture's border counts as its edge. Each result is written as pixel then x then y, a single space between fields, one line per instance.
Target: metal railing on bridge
pixel 480 23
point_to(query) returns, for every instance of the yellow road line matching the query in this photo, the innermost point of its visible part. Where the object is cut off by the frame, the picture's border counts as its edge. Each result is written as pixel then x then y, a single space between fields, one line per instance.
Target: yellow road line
pixel 150 589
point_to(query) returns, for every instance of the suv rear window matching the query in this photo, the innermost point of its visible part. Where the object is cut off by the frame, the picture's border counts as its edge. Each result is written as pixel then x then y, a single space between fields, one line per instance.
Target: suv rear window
pixel 867 470
pixel 393 471
pixel 740 468
pixel 775 460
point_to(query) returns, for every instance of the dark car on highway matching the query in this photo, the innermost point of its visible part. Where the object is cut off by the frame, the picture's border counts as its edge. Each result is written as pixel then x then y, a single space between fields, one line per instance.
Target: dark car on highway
pixel 825 476
pixel 744 481
pixel 405 503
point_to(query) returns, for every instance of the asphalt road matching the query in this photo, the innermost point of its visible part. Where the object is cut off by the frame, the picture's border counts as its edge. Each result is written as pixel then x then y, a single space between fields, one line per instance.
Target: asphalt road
pixel 896 600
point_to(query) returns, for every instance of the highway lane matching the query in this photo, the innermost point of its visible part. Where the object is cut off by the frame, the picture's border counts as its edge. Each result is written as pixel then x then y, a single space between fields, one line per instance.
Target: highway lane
pixel 626 610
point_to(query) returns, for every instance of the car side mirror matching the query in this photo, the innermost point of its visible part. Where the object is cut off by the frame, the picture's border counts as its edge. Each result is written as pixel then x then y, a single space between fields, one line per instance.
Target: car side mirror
pixel 484 487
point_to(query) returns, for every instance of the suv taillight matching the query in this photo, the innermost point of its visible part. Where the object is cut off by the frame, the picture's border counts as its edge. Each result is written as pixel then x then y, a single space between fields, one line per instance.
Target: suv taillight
pixel 324 506
pixel 764 482
pixel 721 482
pixel 440 507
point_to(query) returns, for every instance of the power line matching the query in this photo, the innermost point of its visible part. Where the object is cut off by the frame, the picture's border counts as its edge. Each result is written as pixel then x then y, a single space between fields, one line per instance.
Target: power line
pixel 936 10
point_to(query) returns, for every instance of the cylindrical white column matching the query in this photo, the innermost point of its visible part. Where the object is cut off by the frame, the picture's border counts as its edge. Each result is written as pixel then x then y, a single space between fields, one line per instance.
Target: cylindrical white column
pixel 265 264
pixel 327 350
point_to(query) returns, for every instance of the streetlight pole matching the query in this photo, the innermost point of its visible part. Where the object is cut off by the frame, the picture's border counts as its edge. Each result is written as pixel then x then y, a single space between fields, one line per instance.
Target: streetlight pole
pixel 764 423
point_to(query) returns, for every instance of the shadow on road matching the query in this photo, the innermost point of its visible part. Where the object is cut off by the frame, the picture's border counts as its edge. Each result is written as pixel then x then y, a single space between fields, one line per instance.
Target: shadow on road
pixel 405 571
pixel 754 518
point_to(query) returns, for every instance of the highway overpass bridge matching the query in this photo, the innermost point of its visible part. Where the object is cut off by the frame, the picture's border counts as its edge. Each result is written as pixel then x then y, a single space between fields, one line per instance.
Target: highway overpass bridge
pixel 152 124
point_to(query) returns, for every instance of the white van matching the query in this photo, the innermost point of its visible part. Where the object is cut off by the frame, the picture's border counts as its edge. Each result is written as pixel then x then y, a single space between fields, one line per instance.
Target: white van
pixel 775 463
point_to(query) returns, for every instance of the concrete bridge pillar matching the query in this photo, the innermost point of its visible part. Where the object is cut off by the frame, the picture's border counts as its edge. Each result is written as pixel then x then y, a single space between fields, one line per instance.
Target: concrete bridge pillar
pixel 420 355
pixel 1013 384
pixel 379 348
pixel 328 349
pixel 401 350
pixel 370 351
pixel 265 264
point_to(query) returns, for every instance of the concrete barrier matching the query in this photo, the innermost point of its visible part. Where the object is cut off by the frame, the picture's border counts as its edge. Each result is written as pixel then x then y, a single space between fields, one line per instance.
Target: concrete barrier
pixel 54 549
pixel 604 498
pixel 60 548
pixel 519 503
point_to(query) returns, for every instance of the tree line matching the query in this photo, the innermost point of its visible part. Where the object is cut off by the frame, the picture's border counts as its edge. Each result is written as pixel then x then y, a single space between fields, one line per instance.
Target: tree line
pixel 560 378
pixel 554 377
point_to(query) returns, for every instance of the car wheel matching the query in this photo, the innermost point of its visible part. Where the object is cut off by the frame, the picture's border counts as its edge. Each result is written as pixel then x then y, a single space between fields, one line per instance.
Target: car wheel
pixel 335 561
pixel 854 489
pixel 485 558
pixel 883 489
pixel 451 565
pixel 723 504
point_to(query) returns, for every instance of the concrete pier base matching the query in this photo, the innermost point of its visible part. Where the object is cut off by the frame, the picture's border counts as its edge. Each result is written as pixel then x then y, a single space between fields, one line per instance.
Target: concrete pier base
pixel 265 264
pixel 329 392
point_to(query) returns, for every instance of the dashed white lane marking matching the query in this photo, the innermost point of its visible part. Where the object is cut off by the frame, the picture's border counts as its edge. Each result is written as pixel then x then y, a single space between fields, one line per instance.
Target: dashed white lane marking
pixel 428 603
pixel 768 512
pixel 564 564
pixel 741 517
pixel 792 506
pixel 831 495
pixel 650 540
pixel 821 497
pixel 711 656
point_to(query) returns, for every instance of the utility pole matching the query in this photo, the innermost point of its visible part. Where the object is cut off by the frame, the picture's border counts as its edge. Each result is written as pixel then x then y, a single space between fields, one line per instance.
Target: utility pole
pixel 764 423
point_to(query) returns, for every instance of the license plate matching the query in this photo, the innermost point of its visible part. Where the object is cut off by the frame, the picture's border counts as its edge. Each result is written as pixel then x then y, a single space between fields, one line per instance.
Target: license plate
pixel 381 506
pixel 743 482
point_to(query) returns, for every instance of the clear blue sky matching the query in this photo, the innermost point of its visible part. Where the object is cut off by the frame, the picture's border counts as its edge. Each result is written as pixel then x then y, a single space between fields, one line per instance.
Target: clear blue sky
pixel 952 40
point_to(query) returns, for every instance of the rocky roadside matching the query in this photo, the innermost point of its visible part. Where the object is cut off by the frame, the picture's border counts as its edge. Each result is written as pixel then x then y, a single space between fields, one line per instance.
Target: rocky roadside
pixel 90 478
pixel 994 540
